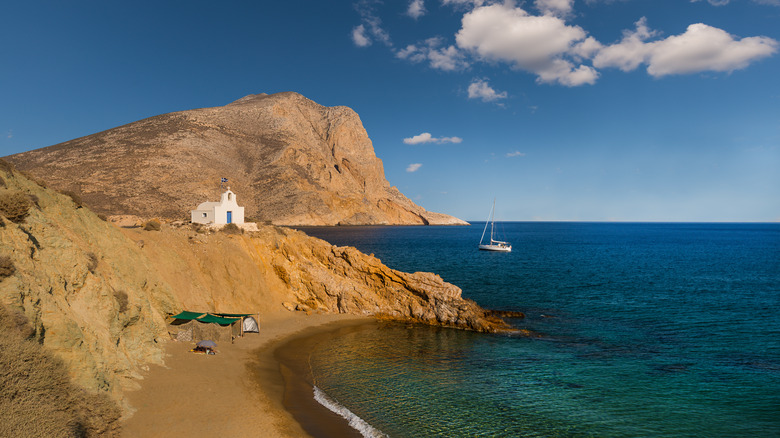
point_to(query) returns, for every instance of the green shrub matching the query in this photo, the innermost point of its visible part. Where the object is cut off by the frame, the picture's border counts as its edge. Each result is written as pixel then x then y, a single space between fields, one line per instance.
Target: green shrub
pixel 152 225
pixel 37 397
pixel 7 267
pixel 232 229
pixel 15 206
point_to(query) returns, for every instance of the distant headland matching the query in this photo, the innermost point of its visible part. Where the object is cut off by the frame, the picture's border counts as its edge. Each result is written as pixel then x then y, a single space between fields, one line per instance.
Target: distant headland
pixel 293 161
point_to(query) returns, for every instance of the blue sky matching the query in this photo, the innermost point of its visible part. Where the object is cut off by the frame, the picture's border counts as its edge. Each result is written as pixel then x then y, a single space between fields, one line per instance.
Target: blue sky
pixel 630 110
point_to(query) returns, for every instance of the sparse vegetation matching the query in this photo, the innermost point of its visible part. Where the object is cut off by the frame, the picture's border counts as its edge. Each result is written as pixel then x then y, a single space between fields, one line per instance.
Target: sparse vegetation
pixel 282 274
pixel 121 300
pixel 152 225
pixel 37 397
pixel 7 267
pixel 6 166
pixel 15 206
pixel 32 178
pixel 35 200
pixel 232 229
pixel 92 262
pixel 75 197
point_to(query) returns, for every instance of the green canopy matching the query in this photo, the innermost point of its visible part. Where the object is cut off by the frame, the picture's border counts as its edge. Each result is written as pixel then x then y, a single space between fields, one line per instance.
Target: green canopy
pixel 209 318
pixel 233 315
pixel 188 315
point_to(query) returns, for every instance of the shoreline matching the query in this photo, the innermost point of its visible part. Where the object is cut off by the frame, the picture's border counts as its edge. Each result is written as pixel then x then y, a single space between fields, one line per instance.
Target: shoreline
pixel 241 390
pixel 292 355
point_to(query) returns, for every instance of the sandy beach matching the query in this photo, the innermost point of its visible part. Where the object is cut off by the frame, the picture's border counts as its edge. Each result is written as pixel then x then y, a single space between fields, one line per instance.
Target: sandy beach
pixel 240 391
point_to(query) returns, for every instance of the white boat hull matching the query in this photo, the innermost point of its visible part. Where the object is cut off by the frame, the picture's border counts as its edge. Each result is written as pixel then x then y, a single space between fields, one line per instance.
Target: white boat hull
pixel 502 248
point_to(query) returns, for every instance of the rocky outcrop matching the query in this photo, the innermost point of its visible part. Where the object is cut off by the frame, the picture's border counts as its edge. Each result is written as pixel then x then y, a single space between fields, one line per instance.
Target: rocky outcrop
pixel 91 295
pixel 342 279
pixel 290 160
pixel 97 295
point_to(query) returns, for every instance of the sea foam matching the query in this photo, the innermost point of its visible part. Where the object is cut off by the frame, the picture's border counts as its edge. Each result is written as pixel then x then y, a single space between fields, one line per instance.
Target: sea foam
pixel 354 421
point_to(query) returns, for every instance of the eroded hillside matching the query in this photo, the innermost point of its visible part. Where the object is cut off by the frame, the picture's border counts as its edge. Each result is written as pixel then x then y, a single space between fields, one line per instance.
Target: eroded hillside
pixel 98 296
pixel 291 160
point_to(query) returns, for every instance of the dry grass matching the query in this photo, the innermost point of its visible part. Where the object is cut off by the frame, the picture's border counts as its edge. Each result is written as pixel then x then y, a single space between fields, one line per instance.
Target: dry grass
pixel 6 166
pixel 75 197
pixel 7 267
pixel 232 229
pixel 122 300
pixel 92 262
pixel 15 206
pixel 37 397
pixel 282 274
pixel 152 225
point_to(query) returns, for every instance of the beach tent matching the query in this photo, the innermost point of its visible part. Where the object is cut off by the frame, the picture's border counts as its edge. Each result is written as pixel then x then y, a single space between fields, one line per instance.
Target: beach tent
pixel 193 326
pixel 213 319
pixel 250 325
pixel 186 316
pixel 190 326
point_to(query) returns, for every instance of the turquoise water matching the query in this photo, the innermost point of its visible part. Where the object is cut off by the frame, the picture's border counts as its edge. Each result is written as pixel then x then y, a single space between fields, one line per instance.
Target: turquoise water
pixel 648 330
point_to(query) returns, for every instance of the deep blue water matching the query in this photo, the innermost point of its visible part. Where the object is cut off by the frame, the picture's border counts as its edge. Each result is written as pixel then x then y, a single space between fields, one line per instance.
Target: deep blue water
pixel 646 330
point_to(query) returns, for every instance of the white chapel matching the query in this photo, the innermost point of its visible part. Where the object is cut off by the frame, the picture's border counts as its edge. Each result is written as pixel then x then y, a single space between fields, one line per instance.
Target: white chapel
pixel 226 211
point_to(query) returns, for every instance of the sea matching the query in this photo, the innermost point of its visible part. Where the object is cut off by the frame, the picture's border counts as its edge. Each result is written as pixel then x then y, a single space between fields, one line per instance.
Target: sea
pixel 639 330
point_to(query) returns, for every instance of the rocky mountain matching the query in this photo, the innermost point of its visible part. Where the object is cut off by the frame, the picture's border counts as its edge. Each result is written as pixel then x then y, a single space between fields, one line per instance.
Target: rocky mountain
pixel 290 161
pixel 98 295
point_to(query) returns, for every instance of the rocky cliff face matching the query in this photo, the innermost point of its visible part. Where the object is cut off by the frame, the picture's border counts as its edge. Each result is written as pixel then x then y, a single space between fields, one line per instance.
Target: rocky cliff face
pixel 98 295
pixel 290 160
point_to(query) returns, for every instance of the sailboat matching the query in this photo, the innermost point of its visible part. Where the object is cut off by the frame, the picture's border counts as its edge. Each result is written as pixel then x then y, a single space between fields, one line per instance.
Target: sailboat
pixel 494 245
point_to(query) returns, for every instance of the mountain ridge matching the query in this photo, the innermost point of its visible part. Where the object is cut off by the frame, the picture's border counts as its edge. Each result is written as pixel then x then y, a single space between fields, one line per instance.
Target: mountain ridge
pixel 290 161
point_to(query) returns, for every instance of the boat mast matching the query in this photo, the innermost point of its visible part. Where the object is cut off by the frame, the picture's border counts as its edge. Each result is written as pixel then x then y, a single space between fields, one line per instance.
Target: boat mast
pixel 490 217
pixel 492 220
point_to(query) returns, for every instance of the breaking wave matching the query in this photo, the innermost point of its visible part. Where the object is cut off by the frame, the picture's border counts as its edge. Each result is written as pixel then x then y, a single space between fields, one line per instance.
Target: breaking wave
pixel 354 421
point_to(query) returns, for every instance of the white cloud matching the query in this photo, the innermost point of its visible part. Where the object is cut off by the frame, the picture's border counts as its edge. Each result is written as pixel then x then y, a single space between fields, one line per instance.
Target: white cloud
pixel 414 167
pixel 497 31
pixel 359 36
pixel 714 2
pixel 426 137
pixel 704 47
pixel 479 89
pixel 450 140
pixel 370 28
pixel 431 50
pixel 700 48
pixel 416 9
pixel 558 8
pixel 515 154
pixel 462 3
pixel 538 44
pixel 629 52
pixel 725 2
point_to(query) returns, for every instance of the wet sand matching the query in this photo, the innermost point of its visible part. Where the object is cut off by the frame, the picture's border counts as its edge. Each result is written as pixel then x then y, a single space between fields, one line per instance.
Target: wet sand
pixel 292 355
pixel 244 389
